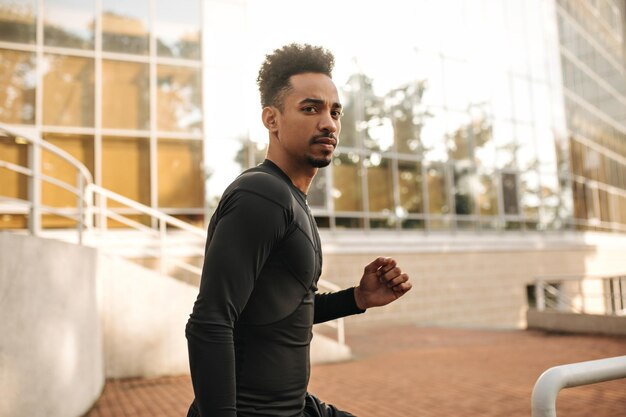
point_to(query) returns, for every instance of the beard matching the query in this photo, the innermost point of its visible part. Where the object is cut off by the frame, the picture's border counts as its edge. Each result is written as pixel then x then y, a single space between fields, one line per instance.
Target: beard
pixel 319 162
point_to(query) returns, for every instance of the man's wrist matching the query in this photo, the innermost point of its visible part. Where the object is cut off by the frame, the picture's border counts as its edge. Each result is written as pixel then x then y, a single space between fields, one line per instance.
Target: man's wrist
pixel 358 299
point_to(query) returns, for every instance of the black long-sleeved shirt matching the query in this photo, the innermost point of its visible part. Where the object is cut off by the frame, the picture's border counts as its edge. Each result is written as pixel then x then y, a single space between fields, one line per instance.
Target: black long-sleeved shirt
pixel 250 329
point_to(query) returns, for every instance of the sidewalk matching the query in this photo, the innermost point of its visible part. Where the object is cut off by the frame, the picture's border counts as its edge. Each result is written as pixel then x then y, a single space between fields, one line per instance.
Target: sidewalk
pixel 420 372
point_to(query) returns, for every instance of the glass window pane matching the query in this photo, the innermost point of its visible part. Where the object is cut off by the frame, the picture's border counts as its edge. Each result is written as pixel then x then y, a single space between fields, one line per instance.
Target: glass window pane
pixel 17 87
pixel 546 148
pixel 437 189
pixel 180 173
pixel 126 26
pixel 459 132
pixel 605 212
pixel 80 147
pixel 316 197
pixel 501 96
pixel 379 184
pixel 14 185
pixel 551 205
pixel 352 113
pixel 526 152
pixel 126 167
pixel 18 20
pixel 407 116
pixel 529 194
pixel 484 146
pixel 464 178
pixel 178 28
pixel 222 167
pixel 456 84
pixel 347 193
pixel 362 118
pixel 521 97
pixel 429 68
pixel 433 136
pixel 580 200
pixel 69 23
pixel 509 194
pixel 505 143
pixel 68 94
pixel 591 195
pixel 487 195
pixel 125 95
pixel 349 223
pixel 410 183
pixel 179 99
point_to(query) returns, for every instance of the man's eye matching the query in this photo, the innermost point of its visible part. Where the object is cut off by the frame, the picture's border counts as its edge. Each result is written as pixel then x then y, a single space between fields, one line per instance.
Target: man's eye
pixel 336 114
pixel 309 109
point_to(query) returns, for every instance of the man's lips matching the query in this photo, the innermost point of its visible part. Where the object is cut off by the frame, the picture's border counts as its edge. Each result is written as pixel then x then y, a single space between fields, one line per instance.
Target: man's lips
pixel 325 140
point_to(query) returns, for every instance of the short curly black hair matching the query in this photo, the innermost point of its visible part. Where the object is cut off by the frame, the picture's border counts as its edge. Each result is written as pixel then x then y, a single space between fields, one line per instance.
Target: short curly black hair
pixel 292 59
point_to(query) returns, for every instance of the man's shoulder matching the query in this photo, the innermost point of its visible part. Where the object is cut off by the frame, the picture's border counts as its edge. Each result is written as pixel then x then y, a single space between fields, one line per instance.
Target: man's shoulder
pixel 263 184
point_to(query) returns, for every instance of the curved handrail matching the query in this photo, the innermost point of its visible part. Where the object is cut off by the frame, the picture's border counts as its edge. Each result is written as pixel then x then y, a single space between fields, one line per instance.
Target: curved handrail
pixel 33 171
pixel 554 379
pixel 35 139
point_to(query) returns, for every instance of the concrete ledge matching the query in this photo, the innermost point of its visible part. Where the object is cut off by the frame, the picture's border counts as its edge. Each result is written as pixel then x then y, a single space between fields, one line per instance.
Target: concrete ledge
pixel 576 323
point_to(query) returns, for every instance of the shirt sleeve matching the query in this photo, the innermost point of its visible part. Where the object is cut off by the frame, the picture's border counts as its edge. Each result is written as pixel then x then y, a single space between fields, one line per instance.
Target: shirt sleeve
pixel 331 306
pixel 248 227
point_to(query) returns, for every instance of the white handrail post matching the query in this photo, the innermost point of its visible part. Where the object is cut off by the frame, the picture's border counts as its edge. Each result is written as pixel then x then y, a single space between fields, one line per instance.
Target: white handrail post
pixel 162 254
pixel 102 215
pixel 34 191
pixel 79 205
pixel 540 294
pixel 582 296
pixel 341 334
pixel 89 212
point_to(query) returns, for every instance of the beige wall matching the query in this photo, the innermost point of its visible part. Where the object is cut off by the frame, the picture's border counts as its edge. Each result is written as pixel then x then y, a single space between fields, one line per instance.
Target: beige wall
pixel 468 280
pixel 50 338
pixel 143 320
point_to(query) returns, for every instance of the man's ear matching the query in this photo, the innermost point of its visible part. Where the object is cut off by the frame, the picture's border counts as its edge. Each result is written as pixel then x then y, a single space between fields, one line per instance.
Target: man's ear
pixel 269 116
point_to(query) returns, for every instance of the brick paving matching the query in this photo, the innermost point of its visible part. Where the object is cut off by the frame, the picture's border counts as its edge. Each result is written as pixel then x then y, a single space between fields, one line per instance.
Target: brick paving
pixel 420 372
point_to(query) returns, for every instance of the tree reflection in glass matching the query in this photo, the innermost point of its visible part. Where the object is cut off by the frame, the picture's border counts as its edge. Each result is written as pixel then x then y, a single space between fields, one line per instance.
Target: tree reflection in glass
pixel 407 115
pixel 126 26
pixel 410 183
pixel 69 23
pixel 17 87
pixel 178 29
pixel 346 192
pixel 179 97
pixel 18 20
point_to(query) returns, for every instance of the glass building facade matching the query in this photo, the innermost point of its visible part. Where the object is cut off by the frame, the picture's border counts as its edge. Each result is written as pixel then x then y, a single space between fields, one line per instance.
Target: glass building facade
pixel 118 85
pixel 594 81
pixel 460 115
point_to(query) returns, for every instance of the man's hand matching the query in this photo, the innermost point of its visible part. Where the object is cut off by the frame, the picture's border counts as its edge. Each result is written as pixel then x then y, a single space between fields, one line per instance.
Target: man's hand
pixel 382 283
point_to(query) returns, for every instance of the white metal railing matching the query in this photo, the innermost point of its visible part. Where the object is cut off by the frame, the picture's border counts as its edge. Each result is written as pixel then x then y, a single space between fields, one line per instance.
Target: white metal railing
pixel 554 379
pixel 93 210
pixel 593 294
pixel 36 177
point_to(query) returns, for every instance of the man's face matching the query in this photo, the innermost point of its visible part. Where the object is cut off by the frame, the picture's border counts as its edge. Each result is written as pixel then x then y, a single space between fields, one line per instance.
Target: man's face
pixel 309 125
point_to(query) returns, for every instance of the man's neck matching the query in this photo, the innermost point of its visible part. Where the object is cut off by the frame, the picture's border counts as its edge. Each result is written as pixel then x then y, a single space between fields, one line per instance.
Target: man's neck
pixel 300 177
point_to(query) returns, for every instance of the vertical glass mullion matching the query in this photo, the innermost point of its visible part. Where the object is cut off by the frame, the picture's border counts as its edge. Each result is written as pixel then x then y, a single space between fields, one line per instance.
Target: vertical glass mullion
pixel 98 95
pixel 154 203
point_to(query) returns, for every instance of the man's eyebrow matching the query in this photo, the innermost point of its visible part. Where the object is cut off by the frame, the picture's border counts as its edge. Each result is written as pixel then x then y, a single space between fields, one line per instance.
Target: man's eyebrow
pixel 319 102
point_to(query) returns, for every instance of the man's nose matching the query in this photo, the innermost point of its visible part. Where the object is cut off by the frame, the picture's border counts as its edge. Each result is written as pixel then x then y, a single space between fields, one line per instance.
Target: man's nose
pixel 328 123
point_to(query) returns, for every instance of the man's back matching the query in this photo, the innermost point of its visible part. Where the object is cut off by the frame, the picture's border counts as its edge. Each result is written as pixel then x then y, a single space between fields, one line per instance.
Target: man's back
pixel 262 263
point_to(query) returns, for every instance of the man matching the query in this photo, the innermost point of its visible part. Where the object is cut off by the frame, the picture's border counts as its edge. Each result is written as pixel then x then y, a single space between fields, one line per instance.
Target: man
pixel 250 329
